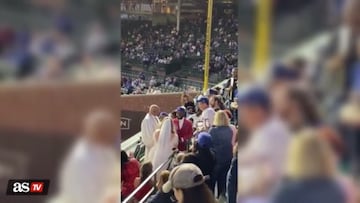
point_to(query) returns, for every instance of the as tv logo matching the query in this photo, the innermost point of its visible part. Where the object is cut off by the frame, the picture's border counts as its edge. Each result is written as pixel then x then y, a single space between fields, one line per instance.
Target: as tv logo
pixel 28 187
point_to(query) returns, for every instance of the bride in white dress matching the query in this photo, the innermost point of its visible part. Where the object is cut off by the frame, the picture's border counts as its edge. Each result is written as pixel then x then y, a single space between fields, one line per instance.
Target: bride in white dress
pixel 166 140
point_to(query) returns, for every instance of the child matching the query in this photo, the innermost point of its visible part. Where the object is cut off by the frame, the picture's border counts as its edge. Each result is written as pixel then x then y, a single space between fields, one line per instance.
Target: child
pixel 160 196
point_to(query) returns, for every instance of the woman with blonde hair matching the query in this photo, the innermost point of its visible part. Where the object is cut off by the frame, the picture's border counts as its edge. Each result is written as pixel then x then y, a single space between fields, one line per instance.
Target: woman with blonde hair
pixel 310 172
pixel 221 135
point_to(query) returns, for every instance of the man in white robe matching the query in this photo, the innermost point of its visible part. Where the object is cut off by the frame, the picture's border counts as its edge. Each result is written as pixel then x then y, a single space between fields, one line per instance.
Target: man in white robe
pixel 148 127
pixel 92 168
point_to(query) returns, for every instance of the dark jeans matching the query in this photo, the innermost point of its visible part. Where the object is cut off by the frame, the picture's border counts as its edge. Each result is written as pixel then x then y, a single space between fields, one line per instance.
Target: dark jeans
pixel 219 177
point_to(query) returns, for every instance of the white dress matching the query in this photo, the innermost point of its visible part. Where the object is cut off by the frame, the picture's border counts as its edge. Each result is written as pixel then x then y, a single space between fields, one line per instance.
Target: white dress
pixel 165 144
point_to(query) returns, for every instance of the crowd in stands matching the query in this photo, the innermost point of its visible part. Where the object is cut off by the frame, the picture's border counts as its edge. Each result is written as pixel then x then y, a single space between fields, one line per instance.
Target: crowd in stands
pixel 162 44
pixel 143 85
pixel 54 51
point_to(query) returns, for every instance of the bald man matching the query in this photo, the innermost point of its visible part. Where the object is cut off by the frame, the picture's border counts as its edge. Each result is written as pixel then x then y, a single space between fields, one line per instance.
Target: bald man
pixel 92 167
pixel 148 127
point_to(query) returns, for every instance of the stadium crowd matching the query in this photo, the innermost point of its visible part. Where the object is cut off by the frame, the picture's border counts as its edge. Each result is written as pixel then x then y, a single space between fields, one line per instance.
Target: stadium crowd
pixel 296 139
pixel 54 51
pixel 162 44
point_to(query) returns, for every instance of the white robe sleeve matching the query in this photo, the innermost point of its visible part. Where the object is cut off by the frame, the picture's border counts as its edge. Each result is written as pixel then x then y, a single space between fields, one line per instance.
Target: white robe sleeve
pixel 147 131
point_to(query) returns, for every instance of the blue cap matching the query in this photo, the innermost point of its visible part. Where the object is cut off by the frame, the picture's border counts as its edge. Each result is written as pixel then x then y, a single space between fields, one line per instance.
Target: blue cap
pixel 281 72
pixel 164 114
pixel 202 99
pixel 254 96
pixel 204 140
pixel 181 109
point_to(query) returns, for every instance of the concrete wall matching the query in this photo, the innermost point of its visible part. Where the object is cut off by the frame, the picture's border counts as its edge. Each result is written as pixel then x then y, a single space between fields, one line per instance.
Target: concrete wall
pixel 56 107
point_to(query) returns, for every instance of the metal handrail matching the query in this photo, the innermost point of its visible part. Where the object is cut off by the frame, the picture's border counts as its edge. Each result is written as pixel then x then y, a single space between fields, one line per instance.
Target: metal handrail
pixel 147 195
pixel 129 198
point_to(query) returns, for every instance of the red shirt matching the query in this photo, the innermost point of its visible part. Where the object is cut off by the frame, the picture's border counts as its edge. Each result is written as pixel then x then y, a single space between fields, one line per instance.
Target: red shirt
pixel 143 191
pixel 129 172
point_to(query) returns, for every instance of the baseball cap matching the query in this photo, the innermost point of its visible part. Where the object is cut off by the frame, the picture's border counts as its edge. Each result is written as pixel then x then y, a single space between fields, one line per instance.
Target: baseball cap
pixel 281 72
pixel 181 108
pixel 254 96
pixel 184 176
pixel 204 140
pixel 202 99
pixel 164 114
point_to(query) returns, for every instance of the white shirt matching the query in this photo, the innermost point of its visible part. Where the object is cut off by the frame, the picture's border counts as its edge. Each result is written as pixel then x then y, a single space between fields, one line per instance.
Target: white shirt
pixel 267 147
pixel 88 174
pixel 181 122
pixel 208 114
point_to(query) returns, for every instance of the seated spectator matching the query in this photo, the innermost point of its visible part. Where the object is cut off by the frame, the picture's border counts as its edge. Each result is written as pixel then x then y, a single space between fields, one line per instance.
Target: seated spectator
pixel 145 172
pixel 310 173
pixel 160 196
pixel 188 184
pixel 130 170
pixel 202 156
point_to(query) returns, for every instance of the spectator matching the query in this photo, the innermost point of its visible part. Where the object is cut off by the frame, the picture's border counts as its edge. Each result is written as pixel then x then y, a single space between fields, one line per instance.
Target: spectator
pixel 202 156
pixel 130 169
pixel 231 179
pixel 338 148
pixel 221 135
pixel 310 173
pixel 162 116
pixel 297 107
pixel 188 182
pixel 233 128
pixel 262 157
pixel 145 171
pixel 183 128
pixel 160 196
pixel 186 100
pixel 208 113
pixel 216 103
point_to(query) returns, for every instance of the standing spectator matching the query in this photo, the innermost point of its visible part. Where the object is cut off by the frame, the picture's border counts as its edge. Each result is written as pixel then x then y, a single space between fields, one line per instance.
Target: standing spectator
pixel 208 113
pixel 202 156
pixel 130 169
pixel 145 171
pixel 188 184
pixel 221 135
pixel 162 116
pixel 231 180
pixel 148 126
pixel 186 100
pixel 183 128
pixel 160 196
pixel 310 173
pixel 216 103
pixel 262 158
pixel 297 107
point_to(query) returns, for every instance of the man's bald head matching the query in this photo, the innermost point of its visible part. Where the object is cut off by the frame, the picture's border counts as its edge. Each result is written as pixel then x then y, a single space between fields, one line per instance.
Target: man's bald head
pixel 351 15
pixel 154 110
pixel 101 126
